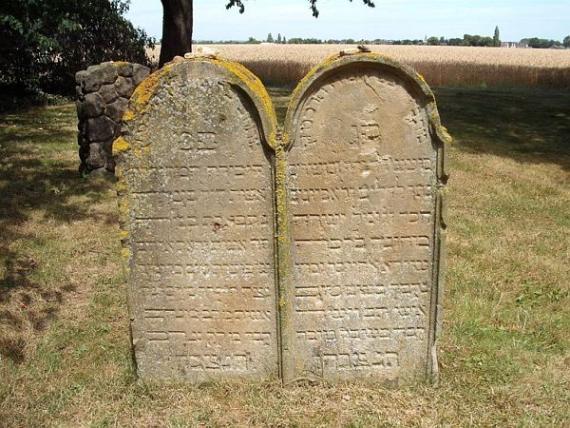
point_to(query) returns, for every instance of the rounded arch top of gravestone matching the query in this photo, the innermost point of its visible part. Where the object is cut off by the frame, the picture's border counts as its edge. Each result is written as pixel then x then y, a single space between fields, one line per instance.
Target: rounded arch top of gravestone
pixel 231 72
pixel 355 64
pixel 196 213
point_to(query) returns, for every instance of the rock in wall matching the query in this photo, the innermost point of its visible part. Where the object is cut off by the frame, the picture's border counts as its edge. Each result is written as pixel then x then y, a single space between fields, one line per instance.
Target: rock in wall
pixel 103 92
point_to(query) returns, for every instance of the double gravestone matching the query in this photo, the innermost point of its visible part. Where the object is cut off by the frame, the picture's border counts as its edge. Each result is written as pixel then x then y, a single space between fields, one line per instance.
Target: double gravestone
pixel 313 255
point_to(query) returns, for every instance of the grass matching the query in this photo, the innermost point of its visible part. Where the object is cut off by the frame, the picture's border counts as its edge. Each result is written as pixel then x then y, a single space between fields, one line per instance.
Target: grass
pixel 505 354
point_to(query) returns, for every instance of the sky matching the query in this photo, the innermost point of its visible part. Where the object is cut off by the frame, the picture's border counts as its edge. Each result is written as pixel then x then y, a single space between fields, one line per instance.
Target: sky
pixel 390 19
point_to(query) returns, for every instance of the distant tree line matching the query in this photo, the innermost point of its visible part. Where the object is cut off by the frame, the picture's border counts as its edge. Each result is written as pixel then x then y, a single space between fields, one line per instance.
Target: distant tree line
pixel 535 42
pixel 467 40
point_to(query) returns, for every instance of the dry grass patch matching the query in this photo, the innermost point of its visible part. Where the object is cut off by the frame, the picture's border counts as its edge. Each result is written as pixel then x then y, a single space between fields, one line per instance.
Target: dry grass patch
pixel 505 353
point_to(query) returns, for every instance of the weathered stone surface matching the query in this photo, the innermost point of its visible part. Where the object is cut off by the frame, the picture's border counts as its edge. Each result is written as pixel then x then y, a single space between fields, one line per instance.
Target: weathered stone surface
pixel 81 115
pixel 140 72
pixel 124 69
pixel 108 153
pixel 79 93
pixel 100 129
pixel 108 93
pixel 82 128
pixel 124 86
pixel 364 195
pixel 83 152
pixel 99 75
pixel 92 105
pixel 103 90
pixel 96 156
pixel 116 110
pixel 195 187
pixel 80 76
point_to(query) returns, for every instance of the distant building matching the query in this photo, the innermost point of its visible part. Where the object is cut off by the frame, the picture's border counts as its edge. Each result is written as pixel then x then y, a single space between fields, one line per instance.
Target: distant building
pixel 514 45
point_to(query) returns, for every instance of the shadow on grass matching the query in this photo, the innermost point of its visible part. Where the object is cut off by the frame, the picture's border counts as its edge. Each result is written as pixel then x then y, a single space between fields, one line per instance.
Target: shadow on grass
pixel 529 126
pixel 280 97
pixel 40 189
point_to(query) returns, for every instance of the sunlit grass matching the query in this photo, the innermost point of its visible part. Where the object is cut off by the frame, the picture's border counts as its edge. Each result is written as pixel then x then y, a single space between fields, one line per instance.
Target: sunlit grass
pixel 504 354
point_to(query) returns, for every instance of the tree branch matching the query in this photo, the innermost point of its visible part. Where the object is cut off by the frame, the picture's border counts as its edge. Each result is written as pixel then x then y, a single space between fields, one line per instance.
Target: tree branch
pixel 241 7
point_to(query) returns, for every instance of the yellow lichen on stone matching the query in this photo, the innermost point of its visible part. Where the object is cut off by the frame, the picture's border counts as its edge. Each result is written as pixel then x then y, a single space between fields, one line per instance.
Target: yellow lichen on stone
pixel 421 77
pixel 121 186
pixel 255 86
pixel 125 253
pixel 144 92
pixel 446 135
pixel 120 145
pixel 123 207
pixel 128 115
pixel 123 234
pixel 141 152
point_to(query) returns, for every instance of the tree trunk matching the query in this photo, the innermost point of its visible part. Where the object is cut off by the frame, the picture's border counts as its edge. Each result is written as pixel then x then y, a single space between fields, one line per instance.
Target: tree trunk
pixel 176 29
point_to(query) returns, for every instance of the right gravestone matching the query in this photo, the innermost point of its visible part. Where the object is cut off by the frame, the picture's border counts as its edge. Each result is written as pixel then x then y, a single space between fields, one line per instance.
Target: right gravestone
pixel 361 283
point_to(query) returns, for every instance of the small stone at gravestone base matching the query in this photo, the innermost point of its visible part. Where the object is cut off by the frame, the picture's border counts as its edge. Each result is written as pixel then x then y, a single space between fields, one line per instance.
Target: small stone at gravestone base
pixel 116 110
pixel 124 69
pixel 140 72
pixel 124 86
pixel 100 128
pixel 108 93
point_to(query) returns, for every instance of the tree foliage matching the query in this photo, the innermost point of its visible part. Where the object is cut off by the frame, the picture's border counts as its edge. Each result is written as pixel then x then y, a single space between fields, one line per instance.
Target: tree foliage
pixel 497 37
pixel 178 22
pixel 538 43
pixel 43 43
pixel 313 5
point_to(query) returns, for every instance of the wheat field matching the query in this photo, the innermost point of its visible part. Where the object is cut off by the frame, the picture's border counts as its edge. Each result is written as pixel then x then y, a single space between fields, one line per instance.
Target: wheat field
pixel 452 66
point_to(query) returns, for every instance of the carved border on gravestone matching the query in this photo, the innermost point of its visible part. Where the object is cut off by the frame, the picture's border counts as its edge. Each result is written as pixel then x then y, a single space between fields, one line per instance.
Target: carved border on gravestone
pixel 439 137
pixel 246 84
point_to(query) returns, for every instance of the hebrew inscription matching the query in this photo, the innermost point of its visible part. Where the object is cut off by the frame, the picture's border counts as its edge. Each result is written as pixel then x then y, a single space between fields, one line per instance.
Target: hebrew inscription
pixel 362 181
pixel 200 222
pixel 315 255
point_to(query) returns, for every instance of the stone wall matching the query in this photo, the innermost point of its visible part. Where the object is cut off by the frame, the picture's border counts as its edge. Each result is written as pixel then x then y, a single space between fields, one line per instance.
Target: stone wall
pixel 103 92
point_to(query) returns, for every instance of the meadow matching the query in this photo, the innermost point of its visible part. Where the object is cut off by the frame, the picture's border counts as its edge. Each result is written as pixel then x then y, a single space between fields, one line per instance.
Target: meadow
pixel 454 66
pixel 505 352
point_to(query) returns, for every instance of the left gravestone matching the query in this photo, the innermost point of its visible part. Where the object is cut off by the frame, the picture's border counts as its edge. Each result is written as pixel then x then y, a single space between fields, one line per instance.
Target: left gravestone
pixel 195 195
pixel 103 92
